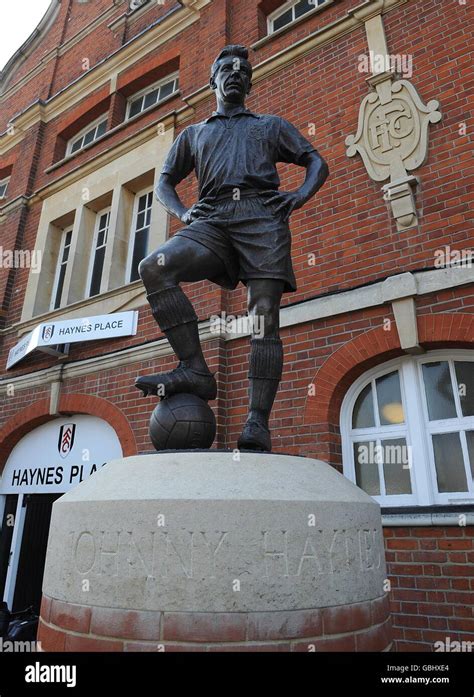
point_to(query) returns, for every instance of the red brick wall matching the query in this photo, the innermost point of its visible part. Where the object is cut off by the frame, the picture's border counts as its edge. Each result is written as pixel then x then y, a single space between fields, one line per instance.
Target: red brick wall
pixel 431 570
pixel 347 225
pixel 77 58
pixel 362 626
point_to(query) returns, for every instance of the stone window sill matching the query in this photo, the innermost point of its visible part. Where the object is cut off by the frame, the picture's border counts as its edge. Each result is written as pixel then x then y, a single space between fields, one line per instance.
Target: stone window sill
pixel 423 516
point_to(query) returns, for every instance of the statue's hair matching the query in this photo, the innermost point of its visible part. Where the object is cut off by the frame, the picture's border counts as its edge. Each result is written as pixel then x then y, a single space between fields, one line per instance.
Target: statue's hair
pixel 236 50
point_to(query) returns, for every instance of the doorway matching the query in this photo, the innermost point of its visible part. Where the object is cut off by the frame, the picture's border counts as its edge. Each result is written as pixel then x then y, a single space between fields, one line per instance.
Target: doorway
pixel 29 576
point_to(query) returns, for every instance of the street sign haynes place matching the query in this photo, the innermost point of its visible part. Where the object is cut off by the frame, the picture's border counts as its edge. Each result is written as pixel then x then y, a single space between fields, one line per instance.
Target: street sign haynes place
pixel 59 454
pixel 73 330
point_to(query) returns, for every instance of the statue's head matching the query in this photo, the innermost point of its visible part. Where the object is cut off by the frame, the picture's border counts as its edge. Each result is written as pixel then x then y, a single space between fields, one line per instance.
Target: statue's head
pixel 231 74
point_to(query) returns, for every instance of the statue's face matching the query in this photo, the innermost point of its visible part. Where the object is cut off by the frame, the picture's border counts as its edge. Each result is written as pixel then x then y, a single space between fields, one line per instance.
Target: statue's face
pixel 232 81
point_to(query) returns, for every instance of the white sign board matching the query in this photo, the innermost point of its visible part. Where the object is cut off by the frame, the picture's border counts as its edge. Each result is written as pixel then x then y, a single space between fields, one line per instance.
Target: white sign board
pixel 59 455
pixel 72 330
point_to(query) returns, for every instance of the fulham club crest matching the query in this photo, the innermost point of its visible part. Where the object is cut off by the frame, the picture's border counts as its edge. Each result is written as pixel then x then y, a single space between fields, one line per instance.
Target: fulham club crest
pixel 66 439
pixel 48 332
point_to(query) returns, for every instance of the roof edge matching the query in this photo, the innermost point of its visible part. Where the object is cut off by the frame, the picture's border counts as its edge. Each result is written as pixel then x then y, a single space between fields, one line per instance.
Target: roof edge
pixel 30 44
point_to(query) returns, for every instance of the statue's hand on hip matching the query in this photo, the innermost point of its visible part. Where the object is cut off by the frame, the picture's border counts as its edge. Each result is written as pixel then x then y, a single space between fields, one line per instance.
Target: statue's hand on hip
pixel 287 202
pixel 198 210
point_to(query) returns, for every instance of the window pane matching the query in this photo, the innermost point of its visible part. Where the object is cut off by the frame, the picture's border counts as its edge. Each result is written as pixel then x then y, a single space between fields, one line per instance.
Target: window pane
pixel 439 391
pixel 303 6
pixel 141 220
pixel 101 128
pixel 59 290
pixel 135 107
pixel 465 383
pixel 77 145
pixel 97 272
pixel 390 399
pixel 100 238
pixel 363 415
pixel 89 137
pixel 283 19
pixel 104 221
pixel 139 252
pixel 396 464
pixel 166 90
pixel 150 98
pixel 366 468
pixel 68 237
pixel 449 463
pixel 470 449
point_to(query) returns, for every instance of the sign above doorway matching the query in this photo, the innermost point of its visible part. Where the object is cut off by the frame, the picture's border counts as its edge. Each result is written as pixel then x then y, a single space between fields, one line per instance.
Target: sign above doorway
pixel 73 330
pixel 58 455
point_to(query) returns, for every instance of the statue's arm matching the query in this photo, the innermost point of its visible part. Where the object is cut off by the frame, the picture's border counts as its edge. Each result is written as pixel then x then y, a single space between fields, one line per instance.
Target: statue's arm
pixel 166 194
pixel 317 172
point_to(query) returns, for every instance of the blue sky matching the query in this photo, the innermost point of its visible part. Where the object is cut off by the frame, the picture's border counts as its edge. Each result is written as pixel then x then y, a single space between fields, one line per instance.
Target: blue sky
pixel 18 18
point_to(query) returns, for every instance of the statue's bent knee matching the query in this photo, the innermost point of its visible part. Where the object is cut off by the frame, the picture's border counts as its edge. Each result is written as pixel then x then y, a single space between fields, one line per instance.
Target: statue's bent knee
pixel 150 269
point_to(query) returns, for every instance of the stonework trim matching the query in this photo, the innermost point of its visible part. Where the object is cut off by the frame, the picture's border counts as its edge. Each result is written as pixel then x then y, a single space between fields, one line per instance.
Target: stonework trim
pixel 112 181
pixel 126 56
pixel 304 312
pixel 149 42
pixel 449 519
pixel 404 311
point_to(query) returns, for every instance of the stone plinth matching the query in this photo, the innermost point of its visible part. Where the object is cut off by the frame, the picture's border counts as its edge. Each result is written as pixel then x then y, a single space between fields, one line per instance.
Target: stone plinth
pixel 198 551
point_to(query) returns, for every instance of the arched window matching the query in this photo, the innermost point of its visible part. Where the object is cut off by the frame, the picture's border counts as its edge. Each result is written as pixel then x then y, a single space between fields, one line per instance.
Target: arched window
pixel 407 430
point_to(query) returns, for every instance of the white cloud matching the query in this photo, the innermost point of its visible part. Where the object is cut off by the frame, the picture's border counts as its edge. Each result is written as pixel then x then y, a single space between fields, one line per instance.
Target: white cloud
pixel 18 19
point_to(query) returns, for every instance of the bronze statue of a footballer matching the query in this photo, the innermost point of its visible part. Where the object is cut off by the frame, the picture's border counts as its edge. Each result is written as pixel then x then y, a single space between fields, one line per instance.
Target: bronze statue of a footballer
pixel 237 231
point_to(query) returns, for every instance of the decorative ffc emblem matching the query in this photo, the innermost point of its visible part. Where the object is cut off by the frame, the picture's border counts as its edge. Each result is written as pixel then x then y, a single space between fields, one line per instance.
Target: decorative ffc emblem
pixel 66 439
pixel 47 332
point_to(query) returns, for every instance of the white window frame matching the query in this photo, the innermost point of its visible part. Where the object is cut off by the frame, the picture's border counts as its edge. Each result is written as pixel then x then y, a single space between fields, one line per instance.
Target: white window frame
pixel 147 90
pixel 417 428
pixel 59 263
pixel 290 5
pixel 4 183
pixel 99 214
pixel 458 424
pixel 83 132
pixel 133 230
